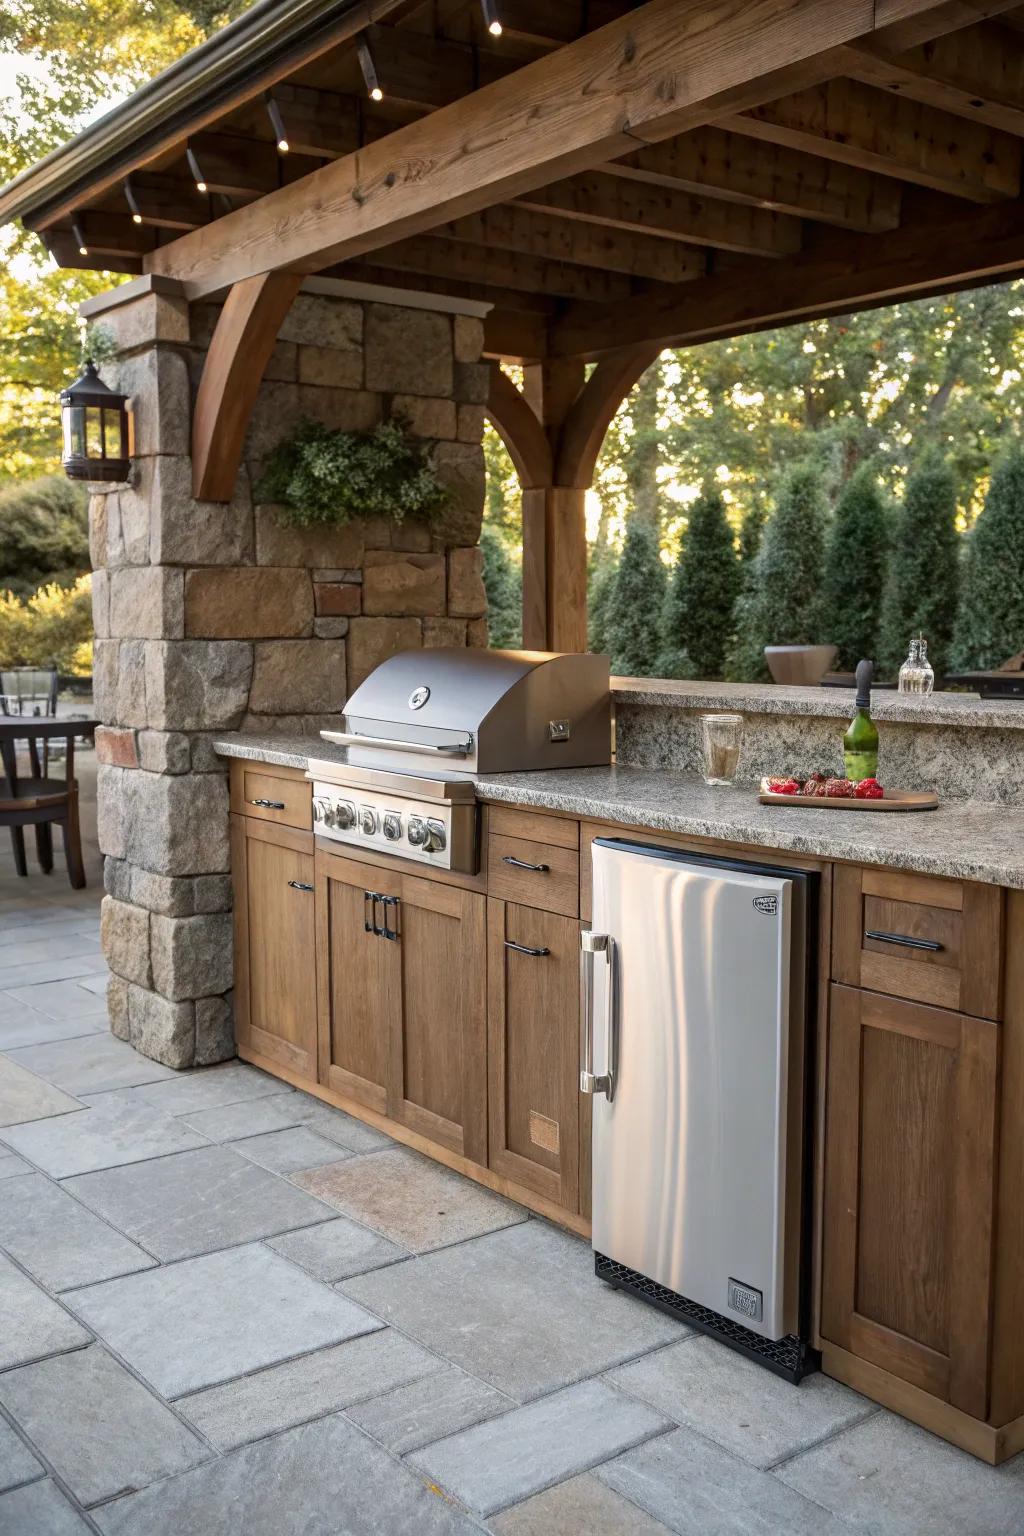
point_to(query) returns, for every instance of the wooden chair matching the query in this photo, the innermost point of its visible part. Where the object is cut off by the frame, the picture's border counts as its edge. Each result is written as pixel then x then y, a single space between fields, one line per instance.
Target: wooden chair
pixel 38 800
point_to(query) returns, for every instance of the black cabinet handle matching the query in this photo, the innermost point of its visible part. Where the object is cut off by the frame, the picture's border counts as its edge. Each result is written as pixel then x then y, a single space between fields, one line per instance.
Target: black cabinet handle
pixel 299 885
pixel 524 949
pixel 269 805
pixel 535 869
pixel 932 945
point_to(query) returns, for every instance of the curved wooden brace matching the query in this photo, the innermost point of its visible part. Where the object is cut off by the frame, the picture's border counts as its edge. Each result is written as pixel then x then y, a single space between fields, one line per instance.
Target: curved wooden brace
pixel 239 352
pixel 591 414
pixel 524 437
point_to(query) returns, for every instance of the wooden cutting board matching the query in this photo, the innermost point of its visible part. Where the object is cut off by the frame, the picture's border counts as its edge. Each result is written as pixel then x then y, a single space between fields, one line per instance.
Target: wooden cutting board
pixel 894 800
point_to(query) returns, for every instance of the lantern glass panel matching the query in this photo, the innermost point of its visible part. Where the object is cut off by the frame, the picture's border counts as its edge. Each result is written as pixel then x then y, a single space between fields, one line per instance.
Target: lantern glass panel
pixel 113 435
pixel 94 431
pixel 74 431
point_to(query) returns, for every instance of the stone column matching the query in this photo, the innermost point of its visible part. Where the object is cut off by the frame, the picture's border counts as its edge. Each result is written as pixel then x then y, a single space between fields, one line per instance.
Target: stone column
pixel 216 617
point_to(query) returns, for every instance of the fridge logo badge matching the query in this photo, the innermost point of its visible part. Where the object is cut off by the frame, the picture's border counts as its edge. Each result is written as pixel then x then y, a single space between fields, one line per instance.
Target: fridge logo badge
pixel 767 904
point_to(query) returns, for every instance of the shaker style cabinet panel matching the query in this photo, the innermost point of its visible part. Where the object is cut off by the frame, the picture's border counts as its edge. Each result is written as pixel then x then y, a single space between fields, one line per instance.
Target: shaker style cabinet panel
pixel 402 999
pixel 910 1132
pixel 275 955
pixel 533 1049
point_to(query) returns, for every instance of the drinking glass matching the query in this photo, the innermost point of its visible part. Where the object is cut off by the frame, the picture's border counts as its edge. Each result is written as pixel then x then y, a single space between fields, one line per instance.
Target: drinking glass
pixel 721 738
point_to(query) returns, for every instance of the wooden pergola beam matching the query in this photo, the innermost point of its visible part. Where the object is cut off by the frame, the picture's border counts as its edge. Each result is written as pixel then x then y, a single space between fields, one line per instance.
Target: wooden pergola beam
pixel 977 74
pixel 669 66
pixel 859 272
pixel 511 415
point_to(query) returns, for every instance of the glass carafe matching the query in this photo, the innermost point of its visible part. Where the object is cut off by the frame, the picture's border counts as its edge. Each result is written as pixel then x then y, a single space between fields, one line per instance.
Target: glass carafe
pixel 912 672
pixel 927 670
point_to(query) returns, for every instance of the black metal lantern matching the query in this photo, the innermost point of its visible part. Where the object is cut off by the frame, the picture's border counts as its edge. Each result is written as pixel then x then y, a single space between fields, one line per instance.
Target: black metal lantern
pixel 95 423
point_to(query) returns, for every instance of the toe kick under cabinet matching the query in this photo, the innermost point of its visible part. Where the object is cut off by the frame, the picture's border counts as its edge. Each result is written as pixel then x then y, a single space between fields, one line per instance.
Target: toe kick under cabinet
pixel 445 1009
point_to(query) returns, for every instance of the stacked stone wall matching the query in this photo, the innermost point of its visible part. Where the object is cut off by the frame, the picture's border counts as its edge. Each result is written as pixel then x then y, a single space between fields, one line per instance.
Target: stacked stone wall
pixel 215 617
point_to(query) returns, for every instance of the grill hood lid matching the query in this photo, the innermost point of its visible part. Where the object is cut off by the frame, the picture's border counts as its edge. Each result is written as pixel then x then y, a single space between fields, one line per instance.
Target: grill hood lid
pixel 463 687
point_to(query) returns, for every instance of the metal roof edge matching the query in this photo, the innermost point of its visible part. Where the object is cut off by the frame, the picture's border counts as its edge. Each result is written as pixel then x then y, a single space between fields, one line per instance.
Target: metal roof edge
pixel 192 84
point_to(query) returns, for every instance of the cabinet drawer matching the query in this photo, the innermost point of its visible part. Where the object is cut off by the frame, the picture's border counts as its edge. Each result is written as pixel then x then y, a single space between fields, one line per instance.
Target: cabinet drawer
pixel 932 941
pixel 280 795
pixel 534 874
pixel 535 826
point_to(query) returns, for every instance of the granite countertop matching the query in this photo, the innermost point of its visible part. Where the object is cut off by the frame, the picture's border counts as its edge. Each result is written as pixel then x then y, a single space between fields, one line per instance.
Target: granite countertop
pixel 971 840
pixel 829 703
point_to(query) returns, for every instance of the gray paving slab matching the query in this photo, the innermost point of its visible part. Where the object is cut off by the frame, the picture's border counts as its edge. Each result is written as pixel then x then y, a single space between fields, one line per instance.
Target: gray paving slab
pixel 504 1460
pixel 24 1096
pixel 306 1388
pixel 12 1166
pixel 193 1202
pixel 415 1415
pixel 54 946
pixel 746 1408
pixel 291 1151
pixel 319 1479
pixel 90 1064
pixel 203 1321
pixel 698 1489
pixel 51 924
pixel 252 1117
pixel 31 914
pixel 337 1249
pixel 889 1476
pixel 99 1428
pixel 208 1088
pixel 40 1509
pixel 35 971
pixel 304 1109
pixel 57 1240
pixel 415 1202
pixel 521 1308
pixel 106 1133
pixel 17 1463
pixel 32 1324
pixel 582 1506
pixel 22 1025
pixel 96 984
pixel 60 999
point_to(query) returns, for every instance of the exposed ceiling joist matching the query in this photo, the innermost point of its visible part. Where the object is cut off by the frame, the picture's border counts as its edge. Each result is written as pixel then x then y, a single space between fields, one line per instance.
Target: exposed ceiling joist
pixel 738 169
pixel 977 74
pixel 600 199
pixel 473 263
pixel 512 228
pixel 860 126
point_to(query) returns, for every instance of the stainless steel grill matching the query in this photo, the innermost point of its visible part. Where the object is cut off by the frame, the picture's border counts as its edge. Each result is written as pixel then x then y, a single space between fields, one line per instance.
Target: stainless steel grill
pixel 426 722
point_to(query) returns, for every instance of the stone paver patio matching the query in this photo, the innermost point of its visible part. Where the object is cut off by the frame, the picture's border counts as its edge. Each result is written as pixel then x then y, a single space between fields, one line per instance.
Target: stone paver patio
pixel 227 1309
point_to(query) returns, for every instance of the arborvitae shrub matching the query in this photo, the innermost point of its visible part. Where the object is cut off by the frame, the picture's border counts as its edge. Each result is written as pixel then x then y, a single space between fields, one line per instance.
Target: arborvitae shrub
pixel 921 591
pixel 990 625
pixel 855 564
pixel 701 598
pixel 633 624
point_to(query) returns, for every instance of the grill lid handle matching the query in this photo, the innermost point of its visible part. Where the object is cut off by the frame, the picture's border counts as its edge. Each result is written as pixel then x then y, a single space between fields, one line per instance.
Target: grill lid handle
pixel 396 744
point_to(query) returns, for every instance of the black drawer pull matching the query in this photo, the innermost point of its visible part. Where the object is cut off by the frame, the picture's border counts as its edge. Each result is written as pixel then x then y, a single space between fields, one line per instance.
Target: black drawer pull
pixel 269 805
pixel 535 869
pixel 524 949
pixel 932 945
pixel 299 885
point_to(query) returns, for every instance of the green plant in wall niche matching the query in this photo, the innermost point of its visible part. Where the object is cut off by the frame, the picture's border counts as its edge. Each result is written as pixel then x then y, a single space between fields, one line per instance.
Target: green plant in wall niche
pixel 319 475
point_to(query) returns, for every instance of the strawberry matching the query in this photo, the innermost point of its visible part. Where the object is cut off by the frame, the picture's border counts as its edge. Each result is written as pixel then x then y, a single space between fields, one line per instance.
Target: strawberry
pixel 869 789
pixel 788 787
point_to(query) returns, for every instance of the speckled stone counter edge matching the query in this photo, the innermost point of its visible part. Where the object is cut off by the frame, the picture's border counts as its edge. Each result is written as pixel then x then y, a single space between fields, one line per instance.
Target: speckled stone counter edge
pixel 827 703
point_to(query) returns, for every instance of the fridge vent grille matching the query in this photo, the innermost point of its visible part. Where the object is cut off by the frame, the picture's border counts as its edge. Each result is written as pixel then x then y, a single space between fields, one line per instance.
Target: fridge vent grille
pixel 789 1357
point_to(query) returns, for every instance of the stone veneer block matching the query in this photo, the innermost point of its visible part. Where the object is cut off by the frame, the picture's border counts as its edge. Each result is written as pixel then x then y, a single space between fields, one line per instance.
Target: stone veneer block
pixel 338 598
pixel 192 956
pixel 324 323
pixel 188 532
pixel 278 543
pixel 331 367
pixel 160 1028
pixel 100 601
pixel 173 825
pixel 157 381
pixel 466 596
pixel 408 351
pixel 343 410
pixel 215 1030
pixel 472 383
pixel 248 603
pixel 298 675
pixel 409 584
pixel 461 467
pixel 124 935
pixel 164 752
pixel 371 640
pixel 152 317
pixel 197 684
pixel 119 681
pixel 117 745
pixel 469 338
pixel 426 417
pixel 443 632
pixel 174 895
pixel 147 603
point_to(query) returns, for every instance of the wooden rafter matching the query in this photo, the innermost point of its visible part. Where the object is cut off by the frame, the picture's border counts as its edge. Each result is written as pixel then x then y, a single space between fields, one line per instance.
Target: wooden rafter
pixel 667 67
pixel 513 228
pixel 464 262
pixel 977 74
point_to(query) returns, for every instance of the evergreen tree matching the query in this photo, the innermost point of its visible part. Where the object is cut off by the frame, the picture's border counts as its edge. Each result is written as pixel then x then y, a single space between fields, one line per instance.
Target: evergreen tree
pixel 701 599
pixel 990 626
pixel 855 565
pixel 781 603
pixel 600 589
pixel 751 530
pixel 921 592
pixel 503 583
pixel 633 625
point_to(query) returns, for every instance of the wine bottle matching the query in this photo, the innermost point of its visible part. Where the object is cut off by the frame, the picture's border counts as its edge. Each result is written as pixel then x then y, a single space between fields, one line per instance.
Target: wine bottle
pixel 860 744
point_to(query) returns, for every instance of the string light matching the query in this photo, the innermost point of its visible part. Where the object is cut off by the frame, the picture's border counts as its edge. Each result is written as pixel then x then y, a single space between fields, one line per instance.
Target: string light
pixel 491 17
pixel 76 230
pixel 193 165
pixel 130 199
pixel 369 70
pixel 277 123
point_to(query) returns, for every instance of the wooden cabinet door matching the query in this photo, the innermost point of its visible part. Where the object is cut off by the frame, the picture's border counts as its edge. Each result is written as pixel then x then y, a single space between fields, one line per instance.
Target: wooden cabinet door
pixel 533 1030
pixel 275 947
pixel 357 981
pixel 909 1184
pixel 437 1085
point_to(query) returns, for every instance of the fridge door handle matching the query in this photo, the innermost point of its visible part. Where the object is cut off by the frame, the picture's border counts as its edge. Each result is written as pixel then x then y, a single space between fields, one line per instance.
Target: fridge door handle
pixel 592 944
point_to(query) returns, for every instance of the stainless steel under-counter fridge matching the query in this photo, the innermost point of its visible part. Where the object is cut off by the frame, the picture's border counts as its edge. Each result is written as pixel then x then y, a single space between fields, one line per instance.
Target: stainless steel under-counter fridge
pixel 697 979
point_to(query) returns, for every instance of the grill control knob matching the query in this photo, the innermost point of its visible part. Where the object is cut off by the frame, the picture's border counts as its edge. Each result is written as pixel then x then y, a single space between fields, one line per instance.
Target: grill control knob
pixel 321 810
pixel 418 833
pixel 437 836
pixel 368 820
pixel 392 826
pixel 344 815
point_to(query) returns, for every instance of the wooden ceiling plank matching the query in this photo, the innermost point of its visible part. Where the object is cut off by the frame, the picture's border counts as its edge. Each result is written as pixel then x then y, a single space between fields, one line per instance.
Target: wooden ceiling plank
pixel 608 200
pixel 977 74
pixel 857 272
pixel 710 161
pixel 860 126
pixel 513 228
pixel 553 22
pixel 508 269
